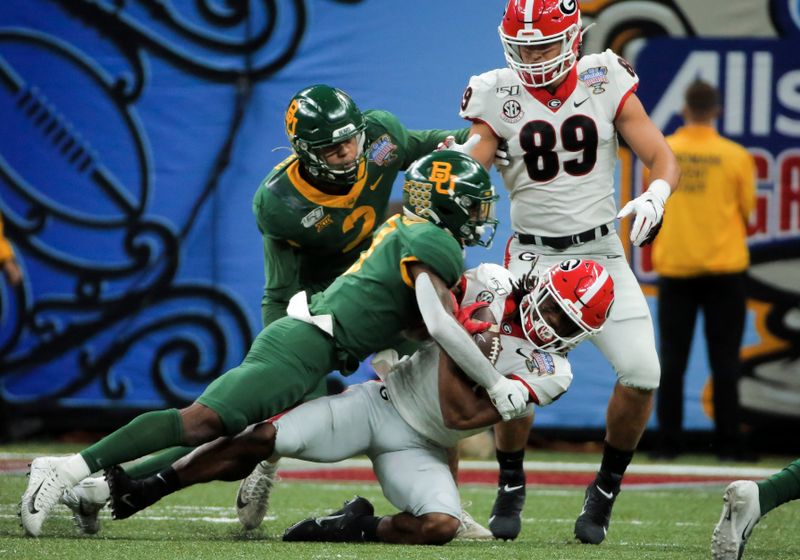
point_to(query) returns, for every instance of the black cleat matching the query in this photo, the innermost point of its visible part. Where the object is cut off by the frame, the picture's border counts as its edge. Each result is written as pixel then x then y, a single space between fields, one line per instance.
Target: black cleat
pixel 336 527
pixel 591 526
pixel 127 496
pixel 505 521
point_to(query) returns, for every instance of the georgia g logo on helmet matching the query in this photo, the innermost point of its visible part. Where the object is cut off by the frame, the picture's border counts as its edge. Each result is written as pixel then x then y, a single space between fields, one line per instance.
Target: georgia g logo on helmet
pixel 568 7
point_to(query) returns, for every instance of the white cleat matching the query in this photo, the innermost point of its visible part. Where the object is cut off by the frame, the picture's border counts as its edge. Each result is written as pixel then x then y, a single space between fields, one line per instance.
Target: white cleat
pixel 740 513
pixel 86 499
pixel 469 529
pixel 252 499
pixel 44 491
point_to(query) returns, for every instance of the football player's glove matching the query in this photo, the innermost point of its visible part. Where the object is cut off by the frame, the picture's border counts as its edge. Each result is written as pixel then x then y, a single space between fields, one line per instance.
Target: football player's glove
pixel 509 397
pixel 501 158
pixel 464 316
pixel 465 148
pixel 649 210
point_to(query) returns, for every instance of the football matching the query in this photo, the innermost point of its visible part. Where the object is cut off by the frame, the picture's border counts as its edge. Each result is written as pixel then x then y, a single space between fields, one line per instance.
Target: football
pixel 488 341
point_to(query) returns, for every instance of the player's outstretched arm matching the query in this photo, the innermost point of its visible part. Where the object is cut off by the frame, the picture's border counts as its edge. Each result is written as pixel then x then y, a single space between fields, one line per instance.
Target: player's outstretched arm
pixel 485 150
pixel 436 308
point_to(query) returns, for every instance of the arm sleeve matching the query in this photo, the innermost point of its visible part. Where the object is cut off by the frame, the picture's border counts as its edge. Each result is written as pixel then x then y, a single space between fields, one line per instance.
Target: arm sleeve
pixel 6 252
pixel 422 142
pixel 280 269
pixel 453 339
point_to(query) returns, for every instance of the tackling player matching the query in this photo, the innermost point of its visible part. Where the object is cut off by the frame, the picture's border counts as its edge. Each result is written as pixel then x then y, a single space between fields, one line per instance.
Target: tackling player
pixel 449 203
pixel 406 423
pixel 560 117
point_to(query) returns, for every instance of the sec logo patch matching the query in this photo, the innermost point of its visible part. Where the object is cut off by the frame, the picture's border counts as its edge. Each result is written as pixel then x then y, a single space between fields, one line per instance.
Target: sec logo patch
pixel 512 111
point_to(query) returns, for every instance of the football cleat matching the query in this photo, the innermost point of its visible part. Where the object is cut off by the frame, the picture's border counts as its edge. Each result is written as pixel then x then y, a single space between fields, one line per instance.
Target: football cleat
pixel 469 529
pixel 591 527
pixel 505 521
pixel 336 527
pixel 252 499
pixel 128 496
pixel 740 513
pixel 44 491
pixel 86 499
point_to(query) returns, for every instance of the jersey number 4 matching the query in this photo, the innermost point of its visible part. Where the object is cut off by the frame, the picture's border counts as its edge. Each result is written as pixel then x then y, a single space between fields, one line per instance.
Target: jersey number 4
pixel 538 140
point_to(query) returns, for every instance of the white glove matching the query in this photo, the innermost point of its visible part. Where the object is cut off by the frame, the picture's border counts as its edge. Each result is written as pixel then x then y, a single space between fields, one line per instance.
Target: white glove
pixel 501 158
pixel 509 397
pixel 465 148
pixel 649 210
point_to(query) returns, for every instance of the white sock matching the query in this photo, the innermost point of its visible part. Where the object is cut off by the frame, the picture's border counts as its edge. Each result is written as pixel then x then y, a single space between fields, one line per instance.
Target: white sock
pixel 94 489
pixel 73 469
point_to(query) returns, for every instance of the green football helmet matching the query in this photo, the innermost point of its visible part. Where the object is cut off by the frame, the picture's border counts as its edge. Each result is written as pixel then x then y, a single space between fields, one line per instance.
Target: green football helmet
pixel 319 117
pixel 453 191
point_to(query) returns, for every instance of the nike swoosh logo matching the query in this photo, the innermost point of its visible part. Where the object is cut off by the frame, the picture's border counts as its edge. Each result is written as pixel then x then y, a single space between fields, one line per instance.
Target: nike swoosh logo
pixel 374 185
pixel 32 506
pixel 126 499
pixel 240 504
pixel 608 495
pixel 508 488
pixel 319 520
pixel 579 103
pixel 161 478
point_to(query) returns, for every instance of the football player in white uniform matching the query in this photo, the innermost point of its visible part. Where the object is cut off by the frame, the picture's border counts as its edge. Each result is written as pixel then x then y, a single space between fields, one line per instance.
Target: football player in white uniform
pixel 423 406
pixel 560 116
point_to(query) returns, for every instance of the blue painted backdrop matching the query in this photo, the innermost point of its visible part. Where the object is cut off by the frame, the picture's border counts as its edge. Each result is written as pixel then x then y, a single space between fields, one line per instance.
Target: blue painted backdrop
pixel 134 136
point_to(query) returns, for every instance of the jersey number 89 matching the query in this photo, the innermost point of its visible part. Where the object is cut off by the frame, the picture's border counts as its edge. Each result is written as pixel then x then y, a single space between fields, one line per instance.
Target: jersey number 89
pixel 538 140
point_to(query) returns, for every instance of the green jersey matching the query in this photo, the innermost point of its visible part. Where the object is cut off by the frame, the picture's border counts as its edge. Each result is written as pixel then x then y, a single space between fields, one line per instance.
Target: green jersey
pixel 374 300
pixel 310 237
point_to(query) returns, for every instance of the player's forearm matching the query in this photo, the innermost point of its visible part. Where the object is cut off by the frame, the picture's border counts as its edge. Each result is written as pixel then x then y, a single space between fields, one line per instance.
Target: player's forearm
pixel 462 408
pixel 449 334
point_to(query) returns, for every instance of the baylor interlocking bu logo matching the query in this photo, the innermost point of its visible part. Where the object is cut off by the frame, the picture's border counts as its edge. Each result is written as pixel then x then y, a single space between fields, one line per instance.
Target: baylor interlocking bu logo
pixel 291 119
pixel 440 175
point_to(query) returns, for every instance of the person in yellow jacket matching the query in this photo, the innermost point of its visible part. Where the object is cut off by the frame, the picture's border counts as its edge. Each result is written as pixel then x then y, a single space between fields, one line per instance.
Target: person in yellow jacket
pixel 8 263
pixel 701 257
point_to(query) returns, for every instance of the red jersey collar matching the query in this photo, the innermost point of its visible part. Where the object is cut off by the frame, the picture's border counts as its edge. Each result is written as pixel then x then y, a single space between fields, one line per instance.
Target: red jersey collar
pixel 556 100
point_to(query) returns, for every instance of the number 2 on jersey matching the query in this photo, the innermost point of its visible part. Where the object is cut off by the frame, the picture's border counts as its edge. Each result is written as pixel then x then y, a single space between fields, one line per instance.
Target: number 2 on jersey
pixel 538 140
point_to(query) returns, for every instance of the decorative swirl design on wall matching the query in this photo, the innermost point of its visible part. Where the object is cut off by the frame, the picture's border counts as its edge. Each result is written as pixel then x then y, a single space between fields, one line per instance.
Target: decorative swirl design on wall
pixel 103 316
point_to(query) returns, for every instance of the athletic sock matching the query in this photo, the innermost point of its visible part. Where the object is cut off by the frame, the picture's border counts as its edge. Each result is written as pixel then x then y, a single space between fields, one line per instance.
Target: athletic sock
pixel 147 433
pixel 73 469
pixel 510 460
pixel 779 488
pixel 157 463
pixel 612 468
pixel 511 470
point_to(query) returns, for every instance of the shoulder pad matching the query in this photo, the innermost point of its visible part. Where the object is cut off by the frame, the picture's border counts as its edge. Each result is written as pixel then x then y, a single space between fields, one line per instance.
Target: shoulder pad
pixel 435 247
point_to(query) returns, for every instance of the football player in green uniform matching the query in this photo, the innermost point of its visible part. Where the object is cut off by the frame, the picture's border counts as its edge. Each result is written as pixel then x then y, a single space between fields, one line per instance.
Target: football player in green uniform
pixel 318 209
pixel 413 259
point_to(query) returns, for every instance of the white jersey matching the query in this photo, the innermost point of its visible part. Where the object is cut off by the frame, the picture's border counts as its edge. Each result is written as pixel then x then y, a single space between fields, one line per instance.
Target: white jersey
pixel 562 147
pixel 413 383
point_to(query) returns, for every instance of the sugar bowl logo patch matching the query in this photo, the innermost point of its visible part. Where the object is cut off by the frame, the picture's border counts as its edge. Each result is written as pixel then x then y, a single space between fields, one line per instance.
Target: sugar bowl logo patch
pixel 512 111
pixel 381 152
pixel 595 78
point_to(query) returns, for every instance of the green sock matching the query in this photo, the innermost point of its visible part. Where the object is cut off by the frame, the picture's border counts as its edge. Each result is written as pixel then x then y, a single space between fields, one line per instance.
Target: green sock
pixel 147 433
pixel 780 488
pixel 156 463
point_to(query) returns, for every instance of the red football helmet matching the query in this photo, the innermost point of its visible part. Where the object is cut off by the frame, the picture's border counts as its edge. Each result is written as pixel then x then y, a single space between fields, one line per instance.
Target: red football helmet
pixel 569 302
pixel 541 23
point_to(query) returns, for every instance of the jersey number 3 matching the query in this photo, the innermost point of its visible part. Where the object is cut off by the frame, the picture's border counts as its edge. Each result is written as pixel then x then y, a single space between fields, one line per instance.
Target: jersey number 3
pixel 538 140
